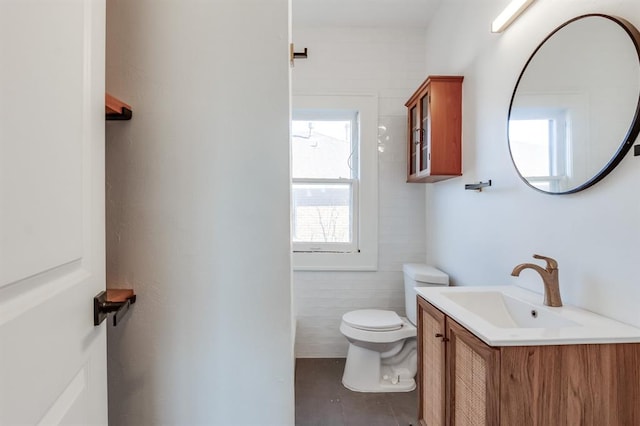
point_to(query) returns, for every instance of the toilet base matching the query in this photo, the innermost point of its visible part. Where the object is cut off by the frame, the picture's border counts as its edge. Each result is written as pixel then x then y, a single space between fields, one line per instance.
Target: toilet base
pixel 384 386
pixel 366 371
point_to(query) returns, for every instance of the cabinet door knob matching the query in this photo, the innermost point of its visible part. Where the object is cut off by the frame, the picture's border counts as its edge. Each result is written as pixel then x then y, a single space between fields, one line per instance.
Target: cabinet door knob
pixel 440 335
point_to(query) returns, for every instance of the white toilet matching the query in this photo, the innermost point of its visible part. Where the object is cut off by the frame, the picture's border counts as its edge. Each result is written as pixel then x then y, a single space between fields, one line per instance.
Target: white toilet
pixel 383 353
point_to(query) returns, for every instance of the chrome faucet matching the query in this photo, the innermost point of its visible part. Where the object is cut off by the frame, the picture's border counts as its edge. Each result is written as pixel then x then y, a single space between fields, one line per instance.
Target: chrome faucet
pixel 549 279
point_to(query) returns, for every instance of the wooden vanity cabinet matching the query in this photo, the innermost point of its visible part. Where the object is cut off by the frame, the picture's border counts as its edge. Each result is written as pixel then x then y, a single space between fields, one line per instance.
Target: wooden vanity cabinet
pixel 434 149
pixel 462 381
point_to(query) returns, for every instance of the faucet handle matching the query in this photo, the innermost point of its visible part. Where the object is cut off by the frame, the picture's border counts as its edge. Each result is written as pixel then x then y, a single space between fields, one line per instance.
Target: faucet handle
pixel 551 263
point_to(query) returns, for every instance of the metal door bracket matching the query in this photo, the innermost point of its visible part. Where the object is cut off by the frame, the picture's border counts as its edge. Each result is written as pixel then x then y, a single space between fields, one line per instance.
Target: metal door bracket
pixel 116 301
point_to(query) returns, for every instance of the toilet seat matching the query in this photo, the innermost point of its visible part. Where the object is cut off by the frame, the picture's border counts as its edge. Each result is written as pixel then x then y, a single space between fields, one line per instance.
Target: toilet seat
pixel 405 331
pixel 373 320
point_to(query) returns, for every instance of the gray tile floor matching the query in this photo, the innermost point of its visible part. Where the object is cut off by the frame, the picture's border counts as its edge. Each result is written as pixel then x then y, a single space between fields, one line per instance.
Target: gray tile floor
pixel 321 400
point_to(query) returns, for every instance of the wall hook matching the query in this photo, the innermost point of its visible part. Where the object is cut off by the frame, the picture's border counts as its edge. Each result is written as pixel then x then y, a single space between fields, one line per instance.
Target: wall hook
pixel 302 55
pixel 477 186
pixel 296 55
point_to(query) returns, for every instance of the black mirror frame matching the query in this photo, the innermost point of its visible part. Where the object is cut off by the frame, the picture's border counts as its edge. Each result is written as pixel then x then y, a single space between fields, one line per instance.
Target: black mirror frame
pixel 634 129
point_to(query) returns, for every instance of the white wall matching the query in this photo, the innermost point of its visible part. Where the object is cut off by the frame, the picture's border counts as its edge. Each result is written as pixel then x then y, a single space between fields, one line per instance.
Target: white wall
pixel 479 237
pixel 198 213
pixel 389 63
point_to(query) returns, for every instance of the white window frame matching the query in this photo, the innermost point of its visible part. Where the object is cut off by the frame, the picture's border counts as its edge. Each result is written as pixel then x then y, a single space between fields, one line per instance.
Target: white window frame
pixel 354 118
pixel 363 256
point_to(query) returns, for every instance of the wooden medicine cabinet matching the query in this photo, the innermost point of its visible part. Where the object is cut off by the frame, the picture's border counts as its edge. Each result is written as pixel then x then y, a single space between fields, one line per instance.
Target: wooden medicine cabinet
pixel 434 151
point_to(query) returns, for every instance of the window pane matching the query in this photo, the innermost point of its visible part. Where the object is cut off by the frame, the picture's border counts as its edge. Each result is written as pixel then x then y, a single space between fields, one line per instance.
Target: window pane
pixel 322 213
pixel 321 149
pixel 530 146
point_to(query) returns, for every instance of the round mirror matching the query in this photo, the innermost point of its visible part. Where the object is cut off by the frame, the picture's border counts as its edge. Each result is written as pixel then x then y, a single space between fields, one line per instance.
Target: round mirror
pixel 574 113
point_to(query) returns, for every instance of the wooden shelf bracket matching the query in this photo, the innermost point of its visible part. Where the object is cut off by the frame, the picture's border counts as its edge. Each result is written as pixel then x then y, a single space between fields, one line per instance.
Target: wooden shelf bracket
pixel 115 109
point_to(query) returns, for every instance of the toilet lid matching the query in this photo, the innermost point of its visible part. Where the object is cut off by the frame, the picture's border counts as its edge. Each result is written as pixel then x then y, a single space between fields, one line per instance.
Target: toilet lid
pixel 373 320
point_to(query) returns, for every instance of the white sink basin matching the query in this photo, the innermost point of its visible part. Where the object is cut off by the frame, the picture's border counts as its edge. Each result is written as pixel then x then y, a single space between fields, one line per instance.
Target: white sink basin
pixel 507 312
pixel 512 316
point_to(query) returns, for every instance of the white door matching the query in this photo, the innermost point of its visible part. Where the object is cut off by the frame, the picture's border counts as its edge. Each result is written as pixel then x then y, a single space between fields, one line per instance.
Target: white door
pixel 52 260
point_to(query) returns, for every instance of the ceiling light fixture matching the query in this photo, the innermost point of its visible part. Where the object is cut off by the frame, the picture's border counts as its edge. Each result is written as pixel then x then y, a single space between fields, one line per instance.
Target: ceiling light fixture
pixel 509 14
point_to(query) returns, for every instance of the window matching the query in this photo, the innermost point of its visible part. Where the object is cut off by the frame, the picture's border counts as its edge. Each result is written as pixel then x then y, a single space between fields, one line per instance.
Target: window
pixel 324 148
pixel 334 182
pixel 541 148
pixel 542 129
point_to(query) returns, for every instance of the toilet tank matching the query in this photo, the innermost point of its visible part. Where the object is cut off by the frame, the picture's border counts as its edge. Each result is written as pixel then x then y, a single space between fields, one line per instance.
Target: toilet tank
pixel 419 275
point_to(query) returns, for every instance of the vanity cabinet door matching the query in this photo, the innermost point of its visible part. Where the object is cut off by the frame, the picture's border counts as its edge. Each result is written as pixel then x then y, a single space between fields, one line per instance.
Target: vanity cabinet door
pixel 474 379
pixel 432 365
